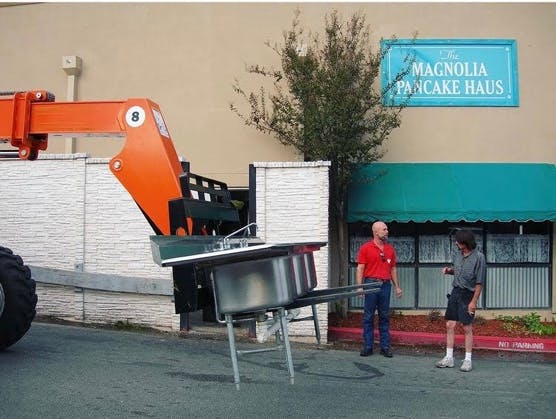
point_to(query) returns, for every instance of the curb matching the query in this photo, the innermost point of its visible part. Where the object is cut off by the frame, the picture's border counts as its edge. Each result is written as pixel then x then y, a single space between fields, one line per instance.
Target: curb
pixel 537 345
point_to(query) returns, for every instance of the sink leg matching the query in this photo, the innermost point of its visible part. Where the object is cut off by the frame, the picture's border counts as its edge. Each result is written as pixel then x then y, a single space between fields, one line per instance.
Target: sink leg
pixel 233 351
pixel 285 337
pixel 277 334
pixel 316 322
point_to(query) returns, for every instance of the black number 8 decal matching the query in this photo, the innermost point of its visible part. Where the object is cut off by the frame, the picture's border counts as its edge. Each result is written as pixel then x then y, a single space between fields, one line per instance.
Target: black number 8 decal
pixel 135 116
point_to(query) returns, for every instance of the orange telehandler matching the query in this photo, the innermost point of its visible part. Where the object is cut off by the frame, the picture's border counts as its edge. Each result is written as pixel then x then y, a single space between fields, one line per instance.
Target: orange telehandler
pixel 147 166
pixel 237 278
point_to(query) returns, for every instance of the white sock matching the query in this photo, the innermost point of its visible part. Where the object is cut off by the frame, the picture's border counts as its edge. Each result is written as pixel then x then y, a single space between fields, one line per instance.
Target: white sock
pixel 468 356
pixel 450 352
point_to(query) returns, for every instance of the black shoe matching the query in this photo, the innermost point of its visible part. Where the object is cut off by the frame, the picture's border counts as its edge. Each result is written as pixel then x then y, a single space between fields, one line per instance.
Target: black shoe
pixel 366 352
pixel 387 353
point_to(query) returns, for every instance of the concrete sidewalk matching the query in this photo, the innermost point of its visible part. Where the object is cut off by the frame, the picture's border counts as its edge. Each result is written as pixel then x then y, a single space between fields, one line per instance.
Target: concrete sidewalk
pixel 355 336
pixel 537 345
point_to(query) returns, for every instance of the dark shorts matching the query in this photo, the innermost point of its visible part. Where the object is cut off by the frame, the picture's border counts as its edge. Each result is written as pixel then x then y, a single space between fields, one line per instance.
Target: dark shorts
pixel 458 302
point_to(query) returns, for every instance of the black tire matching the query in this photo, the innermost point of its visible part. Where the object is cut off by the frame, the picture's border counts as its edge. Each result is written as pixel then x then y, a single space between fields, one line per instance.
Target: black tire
pixel 20 298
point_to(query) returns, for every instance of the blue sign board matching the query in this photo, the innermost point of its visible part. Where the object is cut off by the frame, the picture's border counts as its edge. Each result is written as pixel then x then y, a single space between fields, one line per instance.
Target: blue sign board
pixel 451 72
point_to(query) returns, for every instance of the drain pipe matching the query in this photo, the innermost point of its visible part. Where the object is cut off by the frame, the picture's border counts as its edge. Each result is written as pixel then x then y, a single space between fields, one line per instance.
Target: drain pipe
pixel 71 64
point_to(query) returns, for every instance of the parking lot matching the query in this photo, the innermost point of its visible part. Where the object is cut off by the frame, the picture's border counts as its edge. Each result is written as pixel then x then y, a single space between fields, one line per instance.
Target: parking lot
pixel 60 371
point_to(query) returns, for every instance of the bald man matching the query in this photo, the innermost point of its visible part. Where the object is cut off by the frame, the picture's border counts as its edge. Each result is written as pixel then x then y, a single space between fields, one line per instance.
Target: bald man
pixel 376 261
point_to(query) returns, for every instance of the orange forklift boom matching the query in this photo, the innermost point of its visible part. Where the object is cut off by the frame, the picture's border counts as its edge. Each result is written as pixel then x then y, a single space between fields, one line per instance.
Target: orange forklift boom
pixel 147 166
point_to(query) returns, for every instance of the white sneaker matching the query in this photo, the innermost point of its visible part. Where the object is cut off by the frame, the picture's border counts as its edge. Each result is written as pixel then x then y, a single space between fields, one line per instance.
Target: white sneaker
pixel 446 362
pixel 466 365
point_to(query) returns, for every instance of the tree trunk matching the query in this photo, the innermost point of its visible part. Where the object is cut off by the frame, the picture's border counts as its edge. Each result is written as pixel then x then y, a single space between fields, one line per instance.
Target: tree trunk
pixel 338 238
pixel 343 263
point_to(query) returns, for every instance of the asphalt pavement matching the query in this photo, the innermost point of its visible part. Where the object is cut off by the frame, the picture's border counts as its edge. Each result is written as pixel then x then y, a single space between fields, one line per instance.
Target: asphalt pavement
pixel 63 371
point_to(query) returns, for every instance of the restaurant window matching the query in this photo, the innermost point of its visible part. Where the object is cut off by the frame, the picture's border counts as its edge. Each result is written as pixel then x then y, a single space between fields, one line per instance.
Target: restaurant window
pixel 518 256
pixel 518 243
pixel 518 265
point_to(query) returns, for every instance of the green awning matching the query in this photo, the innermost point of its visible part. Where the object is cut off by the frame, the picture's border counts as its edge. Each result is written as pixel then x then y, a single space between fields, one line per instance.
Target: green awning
pixel 439 192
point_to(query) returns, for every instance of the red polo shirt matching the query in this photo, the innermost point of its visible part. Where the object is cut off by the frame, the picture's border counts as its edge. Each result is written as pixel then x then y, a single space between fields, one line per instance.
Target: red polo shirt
pixel 377 265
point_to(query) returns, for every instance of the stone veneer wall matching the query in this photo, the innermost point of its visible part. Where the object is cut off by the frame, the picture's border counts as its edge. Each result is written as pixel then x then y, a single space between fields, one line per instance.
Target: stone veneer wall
pixel 292 206
pixel 68 214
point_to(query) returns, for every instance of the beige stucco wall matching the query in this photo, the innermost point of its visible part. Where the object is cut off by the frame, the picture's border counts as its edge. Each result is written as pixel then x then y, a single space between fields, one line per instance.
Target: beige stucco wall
pixel 185 56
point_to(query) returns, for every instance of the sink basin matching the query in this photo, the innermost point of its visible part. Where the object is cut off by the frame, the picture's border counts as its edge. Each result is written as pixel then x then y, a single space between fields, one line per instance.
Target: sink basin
pixel 304 274
pixel 262 284
pixel 245 274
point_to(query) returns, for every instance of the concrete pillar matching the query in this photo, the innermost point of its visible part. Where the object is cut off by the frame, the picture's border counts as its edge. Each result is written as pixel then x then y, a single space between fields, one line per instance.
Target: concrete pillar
pixel 71 64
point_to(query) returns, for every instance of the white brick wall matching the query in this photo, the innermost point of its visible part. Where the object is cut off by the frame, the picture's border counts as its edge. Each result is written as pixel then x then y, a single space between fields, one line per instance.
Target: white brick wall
pixel 116 228
pixel 63 211
pixel 42 207
pixel 292 206
pixel 69 212
pixel 101 307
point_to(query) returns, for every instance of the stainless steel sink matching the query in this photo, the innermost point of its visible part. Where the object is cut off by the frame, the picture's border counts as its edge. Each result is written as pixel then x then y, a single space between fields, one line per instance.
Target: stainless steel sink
pixel 261 284
pixel 247 278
